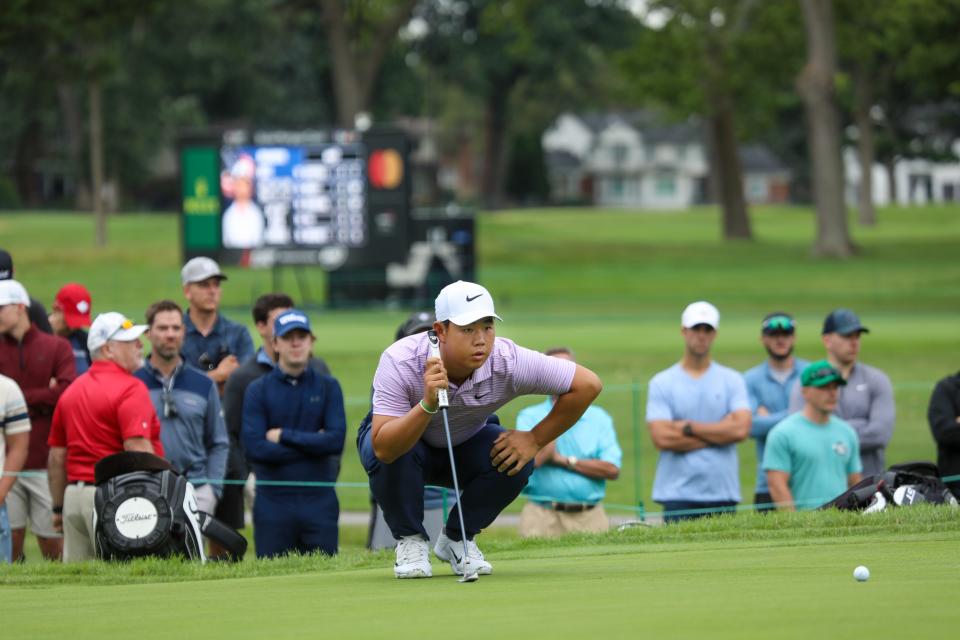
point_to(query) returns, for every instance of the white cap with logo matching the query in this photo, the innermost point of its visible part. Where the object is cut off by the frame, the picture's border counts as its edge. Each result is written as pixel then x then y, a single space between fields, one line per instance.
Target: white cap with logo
pixel 463 303
pixel 200 269
pixel 12 292
pixel 112 326
pixel 700 313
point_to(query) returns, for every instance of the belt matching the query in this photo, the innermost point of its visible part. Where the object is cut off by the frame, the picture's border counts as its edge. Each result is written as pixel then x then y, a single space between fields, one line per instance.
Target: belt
pixel 568 507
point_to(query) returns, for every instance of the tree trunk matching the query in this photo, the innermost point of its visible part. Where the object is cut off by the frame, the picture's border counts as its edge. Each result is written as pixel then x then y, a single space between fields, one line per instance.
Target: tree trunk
pixel 816 87
pixel 866 149
pixel 354 71
pixel 73 127
pixel 495 149
pixel 27 150
pixel 96 162
pixel 725 166
pixel 891 167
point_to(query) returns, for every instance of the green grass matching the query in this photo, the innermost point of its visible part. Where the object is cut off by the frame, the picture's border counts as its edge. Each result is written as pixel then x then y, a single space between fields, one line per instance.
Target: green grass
pixel 609 283
pixel 780 576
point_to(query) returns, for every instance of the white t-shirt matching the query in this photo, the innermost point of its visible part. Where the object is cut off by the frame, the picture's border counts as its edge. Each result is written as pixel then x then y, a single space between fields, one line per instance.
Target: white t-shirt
pixel 13 414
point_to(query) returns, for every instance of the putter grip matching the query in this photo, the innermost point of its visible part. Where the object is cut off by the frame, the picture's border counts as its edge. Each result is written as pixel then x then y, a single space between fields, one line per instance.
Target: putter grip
pixel 442 400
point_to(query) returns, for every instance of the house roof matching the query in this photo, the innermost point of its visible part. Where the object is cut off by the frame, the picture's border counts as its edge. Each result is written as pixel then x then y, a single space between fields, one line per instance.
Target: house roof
pixel 562 160
pixel 758 158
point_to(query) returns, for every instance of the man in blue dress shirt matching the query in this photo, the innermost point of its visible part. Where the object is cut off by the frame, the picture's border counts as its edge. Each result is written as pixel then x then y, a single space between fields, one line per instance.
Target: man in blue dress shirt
pixel 769 385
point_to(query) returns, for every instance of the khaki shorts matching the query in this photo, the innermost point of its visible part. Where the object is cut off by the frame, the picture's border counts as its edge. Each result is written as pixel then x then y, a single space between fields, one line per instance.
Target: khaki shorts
pixel 29 500
pixel 540 522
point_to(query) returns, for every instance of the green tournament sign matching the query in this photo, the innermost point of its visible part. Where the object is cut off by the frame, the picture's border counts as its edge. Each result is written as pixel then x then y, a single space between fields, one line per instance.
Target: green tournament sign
pixel 201 198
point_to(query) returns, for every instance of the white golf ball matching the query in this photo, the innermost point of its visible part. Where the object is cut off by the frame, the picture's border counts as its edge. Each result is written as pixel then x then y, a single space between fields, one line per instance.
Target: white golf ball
pixel 861 573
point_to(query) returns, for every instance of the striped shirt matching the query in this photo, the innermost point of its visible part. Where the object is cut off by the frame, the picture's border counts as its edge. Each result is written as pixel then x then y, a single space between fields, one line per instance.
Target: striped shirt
pixel 509 372
pixel 13 414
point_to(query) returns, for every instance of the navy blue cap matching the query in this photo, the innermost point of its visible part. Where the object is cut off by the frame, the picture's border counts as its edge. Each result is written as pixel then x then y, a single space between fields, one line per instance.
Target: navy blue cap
pixel 290 320
pixel 844 322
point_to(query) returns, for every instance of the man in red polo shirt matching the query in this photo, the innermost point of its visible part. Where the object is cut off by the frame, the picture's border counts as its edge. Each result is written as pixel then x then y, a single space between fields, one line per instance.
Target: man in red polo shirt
pixel 42 365
pixel 105 411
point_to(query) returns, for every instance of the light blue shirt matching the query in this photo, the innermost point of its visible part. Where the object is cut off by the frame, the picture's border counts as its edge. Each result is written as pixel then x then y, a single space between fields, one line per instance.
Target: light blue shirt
pixel 593 437
pixel 710 474
pixel 768 392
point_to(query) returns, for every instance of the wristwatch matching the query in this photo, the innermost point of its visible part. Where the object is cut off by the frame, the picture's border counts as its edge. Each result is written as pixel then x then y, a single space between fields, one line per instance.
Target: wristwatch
pixel 688 430
pixel 571 462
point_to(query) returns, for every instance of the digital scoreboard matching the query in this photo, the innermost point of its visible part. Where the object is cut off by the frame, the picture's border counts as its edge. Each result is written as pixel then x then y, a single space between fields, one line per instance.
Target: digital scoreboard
pixel 264 198
pixel 335 200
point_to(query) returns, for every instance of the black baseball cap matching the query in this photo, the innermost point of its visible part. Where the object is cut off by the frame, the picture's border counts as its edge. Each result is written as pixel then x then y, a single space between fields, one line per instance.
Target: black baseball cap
pixel 6 265
pixel 418 322
pixel 844 322
pixel 777 322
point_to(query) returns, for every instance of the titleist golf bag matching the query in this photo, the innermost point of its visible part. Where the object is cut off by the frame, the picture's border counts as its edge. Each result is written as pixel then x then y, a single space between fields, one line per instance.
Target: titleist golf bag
pixel 143 507
pixel 901 485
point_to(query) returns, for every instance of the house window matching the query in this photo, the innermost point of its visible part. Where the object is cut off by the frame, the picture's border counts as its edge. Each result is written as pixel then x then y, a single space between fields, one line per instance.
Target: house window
pixel 615 187
pixel 619 153
pixel 665 183
pixel 756 188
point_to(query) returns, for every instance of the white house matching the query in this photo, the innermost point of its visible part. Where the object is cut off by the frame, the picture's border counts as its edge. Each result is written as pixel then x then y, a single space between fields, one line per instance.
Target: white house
pixel 635 160
pixel 918 181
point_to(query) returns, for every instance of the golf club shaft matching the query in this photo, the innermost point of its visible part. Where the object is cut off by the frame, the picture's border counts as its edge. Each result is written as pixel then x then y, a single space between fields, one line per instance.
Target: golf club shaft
pixel 456 487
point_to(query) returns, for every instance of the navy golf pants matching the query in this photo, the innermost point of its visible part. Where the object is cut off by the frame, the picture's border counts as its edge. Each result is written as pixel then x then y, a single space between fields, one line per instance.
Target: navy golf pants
pixel 301 521
pixel 398 486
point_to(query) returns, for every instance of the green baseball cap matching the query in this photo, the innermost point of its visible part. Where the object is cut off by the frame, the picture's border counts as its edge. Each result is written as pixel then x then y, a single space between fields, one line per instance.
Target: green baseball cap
pixel 820 374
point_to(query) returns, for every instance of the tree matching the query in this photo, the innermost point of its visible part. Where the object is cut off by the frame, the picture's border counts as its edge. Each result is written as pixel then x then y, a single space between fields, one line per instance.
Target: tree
pixel 359 36
pixel 724 60
pixel 497 51
pixel 901 56
pixel 816 86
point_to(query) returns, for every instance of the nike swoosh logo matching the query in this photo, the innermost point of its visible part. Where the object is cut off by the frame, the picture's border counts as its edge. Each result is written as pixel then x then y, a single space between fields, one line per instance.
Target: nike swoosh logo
pixel 469 299
pixel 454 553
pixel 478 396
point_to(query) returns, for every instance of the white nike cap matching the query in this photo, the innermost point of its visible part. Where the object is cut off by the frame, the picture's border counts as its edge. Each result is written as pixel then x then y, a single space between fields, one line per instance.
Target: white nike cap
pixel 463 303
pixel 700 313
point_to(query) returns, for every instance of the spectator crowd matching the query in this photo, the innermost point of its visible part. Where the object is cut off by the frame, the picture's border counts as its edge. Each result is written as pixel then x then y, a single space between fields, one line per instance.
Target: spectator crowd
pixel 75 387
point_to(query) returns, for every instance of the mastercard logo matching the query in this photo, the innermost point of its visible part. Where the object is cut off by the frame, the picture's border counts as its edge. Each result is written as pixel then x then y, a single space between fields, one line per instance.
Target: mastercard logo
pixel 385 168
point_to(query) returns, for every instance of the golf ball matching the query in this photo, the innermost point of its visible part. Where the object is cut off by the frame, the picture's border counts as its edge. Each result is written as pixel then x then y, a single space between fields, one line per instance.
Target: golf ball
pixel 861 573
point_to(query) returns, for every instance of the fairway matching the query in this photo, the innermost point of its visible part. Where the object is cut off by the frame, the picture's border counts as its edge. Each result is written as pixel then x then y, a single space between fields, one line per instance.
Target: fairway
pixel 723 589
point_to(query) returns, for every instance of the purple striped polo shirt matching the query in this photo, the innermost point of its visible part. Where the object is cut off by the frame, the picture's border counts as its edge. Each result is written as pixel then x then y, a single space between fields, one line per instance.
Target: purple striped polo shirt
pixel 509 372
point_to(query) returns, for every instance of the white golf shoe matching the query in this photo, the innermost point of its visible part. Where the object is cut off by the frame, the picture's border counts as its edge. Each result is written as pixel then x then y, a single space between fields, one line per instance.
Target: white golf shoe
pixel 451 551
pixel 413 558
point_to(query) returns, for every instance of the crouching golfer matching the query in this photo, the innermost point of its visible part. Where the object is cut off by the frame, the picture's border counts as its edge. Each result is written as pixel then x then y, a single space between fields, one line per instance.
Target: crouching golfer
pixel 404 448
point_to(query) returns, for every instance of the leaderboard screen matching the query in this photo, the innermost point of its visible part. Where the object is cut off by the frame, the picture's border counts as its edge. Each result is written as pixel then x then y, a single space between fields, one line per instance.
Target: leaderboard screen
pixel 297 196
pixel 264 198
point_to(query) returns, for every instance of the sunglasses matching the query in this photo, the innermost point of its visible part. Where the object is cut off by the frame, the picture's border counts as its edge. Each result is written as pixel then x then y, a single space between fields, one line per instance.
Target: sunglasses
pixel 778 323
pixel 169 406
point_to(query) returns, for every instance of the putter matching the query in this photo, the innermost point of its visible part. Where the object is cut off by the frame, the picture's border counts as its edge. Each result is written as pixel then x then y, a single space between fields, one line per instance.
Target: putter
pixel 444 402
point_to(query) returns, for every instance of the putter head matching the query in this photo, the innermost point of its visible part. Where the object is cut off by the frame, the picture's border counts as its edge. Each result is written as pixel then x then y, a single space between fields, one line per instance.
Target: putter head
pixel 469 577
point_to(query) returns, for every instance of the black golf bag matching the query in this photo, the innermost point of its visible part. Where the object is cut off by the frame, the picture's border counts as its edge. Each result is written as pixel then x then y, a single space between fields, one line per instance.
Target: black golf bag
pixel 143 507
pixel 901 485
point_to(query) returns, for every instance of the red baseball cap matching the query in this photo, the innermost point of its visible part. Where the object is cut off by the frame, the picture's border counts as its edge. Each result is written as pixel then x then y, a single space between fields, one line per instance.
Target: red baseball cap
pixel 74 301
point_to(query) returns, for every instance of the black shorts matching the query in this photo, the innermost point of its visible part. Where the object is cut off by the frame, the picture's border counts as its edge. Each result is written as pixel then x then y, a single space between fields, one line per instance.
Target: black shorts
pixel 230 506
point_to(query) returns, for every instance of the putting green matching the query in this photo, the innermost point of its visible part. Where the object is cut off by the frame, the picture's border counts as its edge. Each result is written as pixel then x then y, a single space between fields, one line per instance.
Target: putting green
pixel 771 589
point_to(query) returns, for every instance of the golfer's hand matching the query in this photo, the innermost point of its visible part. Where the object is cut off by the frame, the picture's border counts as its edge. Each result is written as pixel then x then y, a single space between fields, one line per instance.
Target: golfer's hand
pixel 434 379
pixel 58 522
pixel 513 450
pixel 273 435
